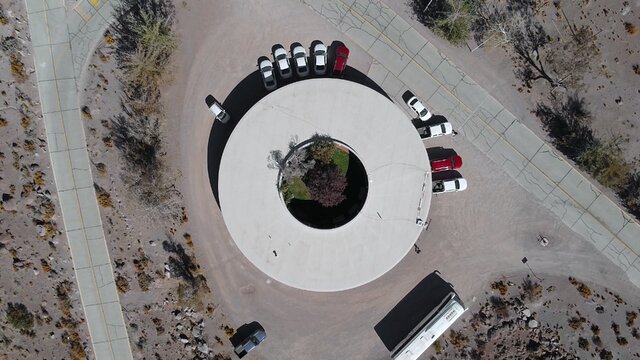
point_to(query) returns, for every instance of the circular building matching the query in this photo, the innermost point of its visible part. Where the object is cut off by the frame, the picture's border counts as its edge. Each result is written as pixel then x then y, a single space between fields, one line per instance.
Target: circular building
pixel 329 247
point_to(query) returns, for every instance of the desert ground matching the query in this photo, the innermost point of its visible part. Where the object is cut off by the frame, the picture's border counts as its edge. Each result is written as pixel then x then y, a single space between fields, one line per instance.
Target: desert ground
pixel 476 239
pixel 39 301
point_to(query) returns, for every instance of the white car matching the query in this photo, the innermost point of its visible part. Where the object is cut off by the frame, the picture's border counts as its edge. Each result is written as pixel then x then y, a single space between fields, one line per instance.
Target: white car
pixel 320 59
pixel 443 128
pixel 282 62
pixel 417 106
pixel 451 185
pixel 268 76
pixel 300 60
pixel 217 110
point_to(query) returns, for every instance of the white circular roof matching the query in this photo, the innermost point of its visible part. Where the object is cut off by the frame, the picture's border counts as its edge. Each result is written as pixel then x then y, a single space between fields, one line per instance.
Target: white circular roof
pixel 386 143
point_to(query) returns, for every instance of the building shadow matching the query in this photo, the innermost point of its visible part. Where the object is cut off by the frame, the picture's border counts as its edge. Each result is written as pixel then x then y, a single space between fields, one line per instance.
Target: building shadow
pixel 251 90
pixel 419 304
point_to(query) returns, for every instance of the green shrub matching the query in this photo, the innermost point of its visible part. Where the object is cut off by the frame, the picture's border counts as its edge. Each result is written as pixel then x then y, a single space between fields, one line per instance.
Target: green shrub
pixel 605 162
pixel 19 316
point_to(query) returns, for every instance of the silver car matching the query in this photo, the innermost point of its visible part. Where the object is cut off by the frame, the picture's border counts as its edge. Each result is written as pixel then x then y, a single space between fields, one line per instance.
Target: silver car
pixel 320 59
pixel 268 76
pixel 300 60
pixel 282 62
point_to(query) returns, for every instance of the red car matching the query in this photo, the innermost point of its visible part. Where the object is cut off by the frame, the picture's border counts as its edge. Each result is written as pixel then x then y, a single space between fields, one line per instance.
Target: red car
pixel 450 163
pixel 342 55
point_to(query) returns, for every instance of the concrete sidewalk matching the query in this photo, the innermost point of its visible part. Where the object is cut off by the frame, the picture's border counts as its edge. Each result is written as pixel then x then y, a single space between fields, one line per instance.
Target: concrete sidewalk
pixel 59 55
pixel 404 59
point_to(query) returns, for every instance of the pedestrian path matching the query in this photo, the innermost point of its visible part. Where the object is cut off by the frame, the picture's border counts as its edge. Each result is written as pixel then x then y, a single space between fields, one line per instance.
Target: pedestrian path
pixel 404 59
pixel 61 40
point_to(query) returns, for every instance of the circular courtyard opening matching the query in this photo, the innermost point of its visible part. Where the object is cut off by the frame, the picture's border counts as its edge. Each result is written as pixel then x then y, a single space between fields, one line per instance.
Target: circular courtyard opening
pixel 323 183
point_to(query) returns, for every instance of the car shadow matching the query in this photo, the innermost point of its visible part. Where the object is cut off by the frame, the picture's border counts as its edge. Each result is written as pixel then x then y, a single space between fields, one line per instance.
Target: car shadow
pixel 445 175
pixel 440 152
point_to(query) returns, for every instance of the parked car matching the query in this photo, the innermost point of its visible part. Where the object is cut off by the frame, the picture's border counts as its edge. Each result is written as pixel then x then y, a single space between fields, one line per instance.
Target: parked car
pixel 250 342
pixel 450 163
pixel 320 59
pixel 417 106
pixel 300 60
pixel 451 185
pixel 217 110
pixel 342 55
pixel 282 62
pixel 440 129
pixel 268 76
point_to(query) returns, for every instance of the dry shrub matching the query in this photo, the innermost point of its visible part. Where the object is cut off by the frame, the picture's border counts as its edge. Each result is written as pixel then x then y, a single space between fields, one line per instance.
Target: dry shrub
pixel 631 318
pixel 616 328
pixel 187 239
pixel 25 122
pixel 458 339
pixel 622 341
pixel 584 344
pixel 597 341
pixel 102 168
pixel 532 290
pixel 636 69
pixel 501 287
pixel 122 283
pixel 86 113
pixel 576 322
pixel 630 28
pixel 45 265
pixel 38 178
pixel 17 69
pixel 144 281
pixel 29 146
pixel 3 122
pixel 583 289
pixel 104 198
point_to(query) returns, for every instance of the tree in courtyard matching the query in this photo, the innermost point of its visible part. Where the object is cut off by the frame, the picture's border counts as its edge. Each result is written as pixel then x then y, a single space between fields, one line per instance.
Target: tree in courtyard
pixel 326 184
pixel 322 151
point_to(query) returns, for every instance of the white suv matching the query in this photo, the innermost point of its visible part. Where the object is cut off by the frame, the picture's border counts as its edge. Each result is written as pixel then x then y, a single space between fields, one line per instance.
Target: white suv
pixel 451 185
pixel 282 62
pixel 268 76
pixel 217 110
pixel 300 59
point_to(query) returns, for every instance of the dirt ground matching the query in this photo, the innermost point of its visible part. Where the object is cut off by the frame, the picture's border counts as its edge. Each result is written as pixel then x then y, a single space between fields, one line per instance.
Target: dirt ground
pixel 611 90
pixel 532 316
pixel 35 263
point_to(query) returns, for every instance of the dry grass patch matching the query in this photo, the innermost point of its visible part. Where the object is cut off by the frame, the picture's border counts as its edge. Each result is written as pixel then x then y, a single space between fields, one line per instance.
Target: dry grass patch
pixel 104 198
pixel 583 289
pixel 17 69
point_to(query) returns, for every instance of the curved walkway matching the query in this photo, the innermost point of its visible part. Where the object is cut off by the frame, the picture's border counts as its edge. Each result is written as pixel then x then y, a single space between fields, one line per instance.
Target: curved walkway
pixel 62 39
pixel 403 59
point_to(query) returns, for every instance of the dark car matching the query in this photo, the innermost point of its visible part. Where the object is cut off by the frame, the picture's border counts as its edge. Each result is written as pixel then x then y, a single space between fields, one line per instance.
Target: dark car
pixel 250 342
pixel 342 55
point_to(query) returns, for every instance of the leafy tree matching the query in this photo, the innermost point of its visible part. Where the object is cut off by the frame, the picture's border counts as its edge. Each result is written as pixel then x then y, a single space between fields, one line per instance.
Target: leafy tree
pixel 19 316
pixel 605 162
pixel 322 151
pixel 630 193
pixel 326 184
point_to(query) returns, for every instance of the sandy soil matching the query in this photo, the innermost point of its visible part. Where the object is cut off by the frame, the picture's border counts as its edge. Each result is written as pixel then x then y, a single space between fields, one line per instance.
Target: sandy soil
pixel 552 317
pixel 612 78
pixel 165 319
pixel 35 263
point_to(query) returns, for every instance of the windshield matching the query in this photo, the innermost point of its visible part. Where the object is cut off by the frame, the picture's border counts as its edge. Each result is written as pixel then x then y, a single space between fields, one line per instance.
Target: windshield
pixel 423 112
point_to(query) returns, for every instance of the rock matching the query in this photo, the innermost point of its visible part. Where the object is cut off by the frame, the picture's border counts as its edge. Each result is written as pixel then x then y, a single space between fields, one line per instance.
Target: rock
pixel 183 338
pixel 204 348
pixel 533 324
pixel 179 327
pixel 526 313
pixel 41 230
